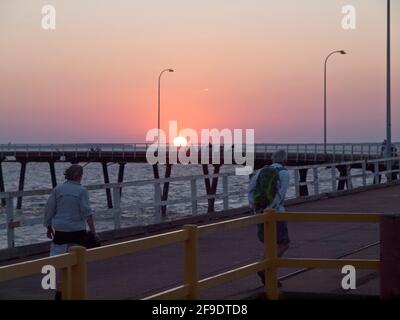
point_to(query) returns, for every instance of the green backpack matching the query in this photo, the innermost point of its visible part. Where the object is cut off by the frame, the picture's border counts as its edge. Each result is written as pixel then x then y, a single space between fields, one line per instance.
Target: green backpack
pixel 263 187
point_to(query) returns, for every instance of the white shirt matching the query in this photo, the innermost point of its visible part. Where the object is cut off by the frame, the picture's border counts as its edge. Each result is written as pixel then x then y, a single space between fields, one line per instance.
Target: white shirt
pixel 68 207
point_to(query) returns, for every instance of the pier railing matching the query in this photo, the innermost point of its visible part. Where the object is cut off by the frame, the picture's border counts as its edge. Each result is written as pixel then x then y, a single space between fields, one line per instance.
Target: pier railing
pixel 340 177
pixel 313 180
pixel 193 285
pixel 337 151
pixel 157 203
pixel 73 264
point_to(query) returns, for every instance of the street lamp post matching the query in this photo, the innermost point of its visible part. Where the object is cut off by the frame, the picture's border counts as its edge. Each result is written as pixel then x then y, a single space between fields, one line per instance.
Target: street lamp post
pixel 159 102
pixel 325 66
pixel 164 194
pixel 388 89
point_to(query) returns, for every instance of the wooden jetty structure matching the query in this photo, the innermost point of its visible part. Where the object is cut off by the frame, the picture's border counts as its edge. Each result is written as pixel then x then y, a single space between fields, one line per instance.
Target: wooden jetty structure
pixel 338 224
pixel 322 179
pixel 121 154
pixel 375 198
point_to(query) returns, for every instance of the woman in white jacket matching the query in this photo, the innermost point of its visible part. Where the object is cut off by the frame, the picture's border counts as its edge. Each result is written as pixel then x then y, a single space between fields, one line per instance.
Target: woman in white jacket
pixel 67 212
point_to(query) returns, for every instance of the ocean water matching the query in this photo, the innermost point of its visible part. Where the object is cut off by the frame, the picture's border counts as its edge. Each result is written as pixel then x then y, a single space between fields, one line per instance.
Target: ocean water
pixel 38 177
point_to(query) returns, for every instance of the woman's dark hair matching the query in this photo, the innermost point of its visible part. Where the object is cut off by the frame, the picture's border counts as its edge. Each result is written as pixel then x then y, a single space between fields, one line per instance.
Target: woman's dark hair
pixel 74 172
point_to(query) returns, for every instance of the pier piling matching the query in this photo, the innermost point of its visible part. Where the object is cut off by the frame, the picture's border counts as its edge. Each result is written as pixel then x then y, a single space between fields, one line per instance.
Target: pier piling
pixel 343 174
pixel 168 170
pixel 211 188
pixel 21 183
pixel 121 171
pixel 2 189
pixel 53 174
pixel 164 194
pixel 303 178
pixel 107 180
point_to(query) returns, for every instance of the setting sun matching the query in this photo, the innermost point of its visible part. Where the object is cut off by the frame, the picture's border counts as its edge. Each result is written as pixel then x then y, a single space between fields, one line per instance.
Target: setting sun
pixel 180 142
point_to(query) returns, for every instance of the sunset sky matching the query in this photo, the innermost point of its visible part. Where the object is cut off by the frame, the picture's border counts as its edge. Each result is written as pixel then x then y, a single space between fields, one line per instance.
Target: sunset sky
pixel 239 64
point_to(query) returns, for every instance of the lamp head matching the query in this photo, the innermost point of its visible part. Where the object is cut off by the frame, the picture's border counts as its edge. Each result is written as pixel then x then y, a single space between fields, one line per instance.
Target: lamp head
pixel 343 52
pixel 170 70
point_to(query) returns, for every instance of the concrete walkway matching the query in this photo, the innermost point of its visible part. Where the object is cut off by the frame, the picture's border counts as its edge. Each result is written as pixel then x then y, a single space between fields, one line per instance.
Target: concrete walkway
pixel 139 275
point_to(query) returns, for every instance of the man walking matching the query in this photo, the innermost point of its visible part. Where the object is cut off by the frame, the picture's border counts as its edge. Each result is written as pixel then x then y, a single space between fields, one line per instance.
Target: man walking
pixel 268 189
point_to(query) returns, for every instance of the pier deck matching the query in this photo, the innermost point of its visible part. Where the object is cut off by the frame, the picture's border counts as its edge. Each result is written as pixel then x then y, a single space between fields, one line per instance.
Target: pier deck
pixel 138 275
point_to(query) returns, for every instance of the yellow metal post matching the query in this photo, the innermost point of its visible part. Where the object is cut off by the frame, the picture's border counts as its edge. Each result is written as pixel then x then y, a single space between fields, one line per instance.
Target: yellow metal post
pixel 271 254
pixel 66 283
pixel 191 254
pixel 78 274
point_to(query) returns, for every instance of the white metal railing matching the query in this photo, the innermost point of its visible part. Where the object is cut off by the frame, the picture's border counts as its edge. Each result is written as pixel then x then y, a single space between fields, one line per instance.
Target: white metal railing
pixel 317 179
pixel 369 173
pixel 157 203
pixel 297 151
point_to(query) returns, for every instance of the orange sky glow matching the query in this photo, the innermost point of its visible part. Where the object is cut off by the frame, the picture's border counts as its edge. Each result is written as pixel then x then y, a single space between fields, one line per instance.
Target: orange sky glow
pixel 238 64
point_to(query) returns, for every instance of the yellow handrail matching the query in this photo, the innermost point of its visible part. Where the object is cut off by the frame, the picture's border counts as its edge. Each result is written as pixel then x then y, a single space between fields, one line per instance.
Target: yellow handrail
pixel 132 246
pixel 23 269
pixel 74 263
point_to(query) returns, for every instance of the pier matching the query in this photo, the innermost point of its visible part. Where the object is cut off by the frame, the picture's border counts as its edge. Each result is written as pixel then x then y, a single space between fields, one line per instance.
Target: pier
pixel 121 154
pixel 329 227
pixel 341 177
pixel 140 275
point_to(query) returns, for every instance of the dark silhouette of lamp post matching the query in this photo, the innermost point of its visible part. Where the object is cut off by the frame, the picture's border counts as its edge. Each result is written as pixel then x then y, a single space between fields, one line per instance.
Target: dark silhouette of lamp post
pixel 163 195
pixel 159 101
pixel 388 89
pixel 325 67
